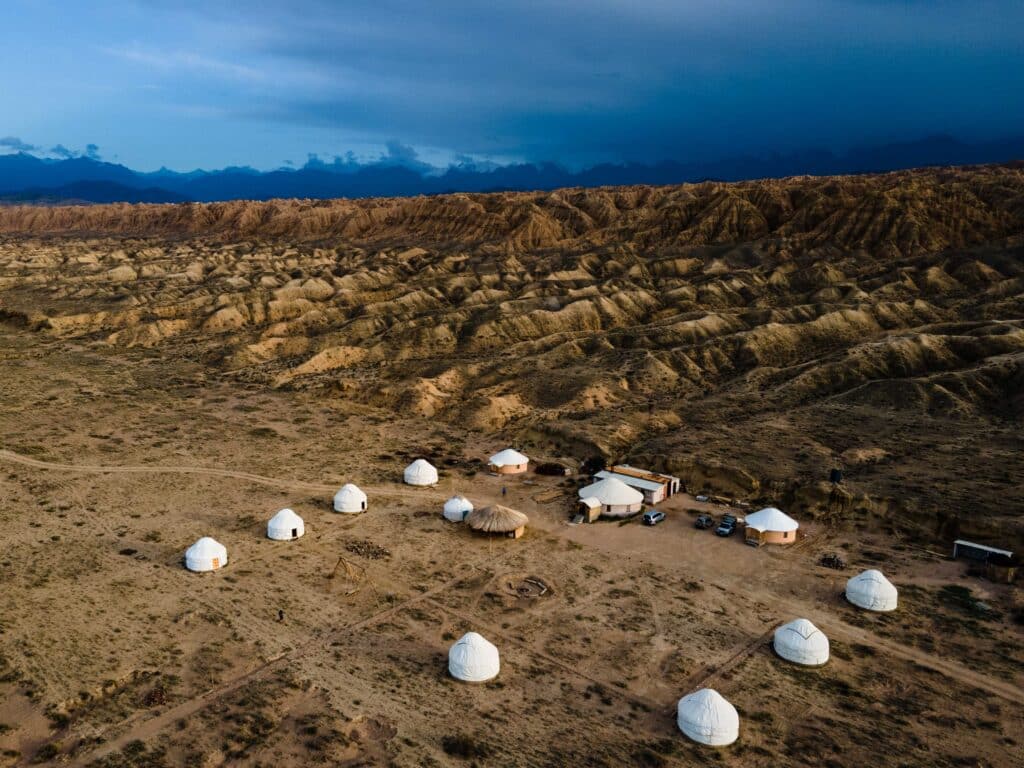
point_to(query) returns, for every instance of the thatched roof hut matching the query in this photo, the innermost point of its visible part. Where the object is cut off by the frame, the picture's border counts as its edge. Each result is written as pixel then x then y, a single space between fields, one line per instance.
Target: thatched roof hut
pixel 499 520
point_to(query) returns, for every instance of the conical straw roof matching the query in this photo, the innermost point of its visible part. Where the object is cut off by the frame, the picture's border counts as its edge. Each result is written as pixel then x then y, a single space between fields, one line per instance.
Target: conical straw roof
pixel 496 519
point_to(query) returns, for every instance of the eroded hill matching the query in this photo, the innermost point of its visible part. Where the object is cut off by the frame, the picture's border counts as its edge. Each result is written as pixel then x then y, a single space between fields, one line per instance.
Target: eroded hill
pixel 749 336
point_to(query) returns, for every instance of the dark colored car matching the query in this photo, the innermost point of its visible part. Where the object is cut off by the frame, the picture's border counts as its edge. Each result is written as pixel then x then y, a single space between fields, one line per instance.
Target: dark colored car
pixel 727 527
pixel 704 521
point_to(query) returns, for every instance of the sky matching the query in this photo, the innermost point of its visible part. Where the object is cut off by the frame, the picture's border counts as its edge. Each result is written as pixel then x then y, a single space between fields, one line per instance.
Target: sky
pixel 212 83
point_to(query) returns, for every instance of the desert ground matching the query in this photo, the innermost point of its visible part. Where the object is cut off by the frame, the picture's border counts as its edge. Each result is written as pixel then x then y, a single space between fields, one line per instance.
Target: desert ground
pixel 170 372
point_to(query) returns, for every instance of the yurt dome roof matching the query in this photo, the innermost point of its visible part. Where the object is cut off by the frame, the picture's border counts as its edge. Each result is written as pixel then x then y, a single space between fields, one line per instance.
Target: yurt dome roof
pixel 772 519
pixel 871 590
pixel 457 507
pixel 286 518
pixel 801 642
pixel 420 472
pixel 206 547
pixel 200 556
pixel 349 498
pixel 285 526
pixel 508 458
pixel 496 519
pixel 706 717
pixel 473 659
pixel 612 492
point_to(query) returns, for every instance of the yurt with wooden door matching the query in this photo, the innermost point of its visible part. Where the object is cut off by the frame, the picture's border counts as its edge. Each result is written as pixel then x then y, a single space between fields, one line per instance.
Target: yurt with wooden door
pixel 497 520
pixel 473 659
pixel 457 508
pixel 771 526
pixel 508 462
pixel 206 555
pixel 615 497
pixel 349 499
pixel 872 591
pixel 707 718
pixel 420 472
pixel 801 642
pixel 285 526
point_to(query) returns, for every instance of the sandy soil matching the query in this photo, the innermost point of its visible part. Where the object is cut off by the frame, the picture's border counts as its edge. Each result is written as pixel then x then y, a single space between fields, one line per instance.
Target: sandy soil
pixel 112 654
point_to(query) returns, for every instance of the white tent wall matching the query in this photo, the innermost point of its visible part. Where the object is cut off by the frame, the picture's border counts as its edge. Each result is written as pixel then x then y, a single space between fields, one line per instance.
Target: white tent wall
pixel 473 659
pixel 871 591
pixel 206 555
pixel 801 642
pixel 707 718
pixel 285 526
pixel 350 499
pixel 420 472
pixel 617 499
pixel 456 508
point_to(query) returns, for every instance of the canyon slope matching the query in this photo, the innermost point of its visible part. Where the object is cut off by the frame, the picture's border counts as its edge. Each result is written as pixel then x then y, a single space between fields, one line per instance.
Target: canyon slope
pixel 747 336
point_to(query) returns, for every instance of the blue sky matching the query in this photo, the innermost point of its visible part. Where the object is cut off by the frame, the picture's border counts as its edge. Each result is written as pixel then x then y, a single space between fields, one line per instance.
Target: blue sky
pixel 207 84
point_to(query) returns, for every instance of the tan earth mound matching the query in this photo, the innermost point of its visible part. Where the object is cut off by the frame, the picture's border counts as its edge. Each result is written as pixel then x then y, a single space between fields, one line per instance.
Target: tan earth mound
pixel 174 372
pixel 765 326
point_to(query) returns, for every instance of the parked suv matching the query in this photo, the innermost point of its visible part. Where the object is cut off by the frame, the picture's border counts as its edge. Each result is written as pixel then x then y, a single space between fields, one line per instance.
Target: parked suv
pixel 704 521
pixel 653 517
pixel 727 527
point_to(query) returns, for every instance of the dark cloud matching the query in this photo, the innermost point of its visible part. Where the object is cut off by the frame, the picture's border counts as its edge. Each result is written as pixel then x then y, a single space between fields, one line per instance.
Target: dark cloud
pixel 576 81
pixel 17 145
pixel 405 156
pixel 63 152
pixel 582 81
pixel 92 151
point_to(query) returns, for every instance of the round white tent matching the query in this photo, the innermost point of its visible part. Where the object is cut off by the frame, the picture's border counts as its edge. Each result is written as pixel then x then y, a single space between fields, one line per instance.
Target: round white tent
pixel 707 718
pixel 350 499
pixel 421 472
pixel 285 526
pixel 616 498
pixel 206 555
pixel 801 642
pixel 771 526
pixel 473 659
pixel 508 462
pixel 456 508
pixel 872 591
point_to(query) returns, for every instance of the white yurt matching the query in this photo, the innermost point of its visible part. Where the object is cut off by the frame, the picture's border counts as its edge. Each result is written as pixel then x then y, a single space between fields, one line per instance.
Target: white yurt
pixel 616 498
pixel 872 591
pixel 473 659
pixel 421 472
pixel 801 642
pixel 456 508
pixel 707 718
pixel 349 499
pixel 508 462
pixel 285 526
pixel 771 526
pixel 206 555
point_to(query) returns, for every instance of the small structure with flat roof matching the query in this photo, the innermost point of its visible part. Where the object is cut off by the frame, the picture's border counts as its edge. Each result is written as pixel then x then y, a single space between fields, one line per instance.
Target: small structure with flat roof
pixel 979 552
pixel 654 486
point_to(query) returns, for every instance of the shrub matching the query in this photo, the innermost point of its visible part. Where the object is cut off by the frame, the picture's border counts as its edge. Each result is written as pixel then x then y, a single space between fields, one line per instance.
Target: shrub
pixel 460 745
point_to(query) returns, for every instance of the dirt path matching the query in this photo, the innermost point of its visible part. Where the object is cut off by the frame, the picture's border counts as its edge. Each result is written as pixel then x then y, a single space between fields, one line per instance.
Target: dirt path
pixel 702 678
pixel 143 729
pixel 575 671
pixel 841 630
pixel 947 667
pixel 273 482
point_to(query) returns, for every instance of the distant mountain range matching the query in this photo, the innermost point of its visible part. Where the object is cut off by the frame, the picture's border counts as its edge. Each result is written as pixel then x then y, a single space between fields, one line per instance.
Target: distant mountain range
pixel 25 178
